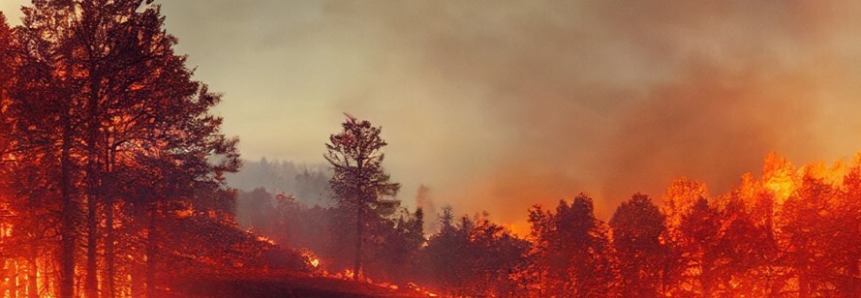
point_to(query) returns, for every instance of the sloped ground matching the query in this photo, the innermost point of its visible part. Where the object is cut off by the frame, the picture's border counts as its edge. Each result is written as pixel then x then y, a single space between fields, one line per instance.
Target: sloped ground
pixel 280 285
pixel 205 258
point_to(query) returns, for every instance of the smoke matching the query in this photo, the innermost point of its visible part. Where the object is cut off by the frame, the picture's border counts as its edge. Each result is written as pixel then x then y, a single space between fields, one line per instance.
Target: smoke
pixel 614 97
pixel 499 105
pixel 425 201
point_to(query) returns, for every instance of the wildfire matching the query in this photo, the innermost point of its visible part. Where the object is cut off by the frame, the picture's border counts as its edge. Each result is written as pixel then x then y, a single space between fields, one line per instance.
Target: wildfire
pixel 782 178
pixel 310 258
pixel 265 239
pixel 185 213
pixel 781 186
pixel 517 229
pixel 421 290
pixel 348 274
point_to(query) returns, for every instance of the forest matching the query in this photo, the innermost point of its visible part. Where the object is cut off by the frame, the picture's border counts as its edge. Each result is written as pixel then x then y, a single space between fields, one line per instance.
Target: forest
pixel 114 183
pixel 788 232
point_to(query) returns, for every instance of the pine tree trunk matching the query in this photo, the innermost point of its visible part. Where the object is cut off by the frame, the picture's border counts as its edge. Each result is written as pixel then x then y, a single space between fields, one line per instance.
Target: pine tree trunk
pixel 137 286
pixel 32 278
pixel 93 178
pixel 109 284
pixel 91 287
pixel 855 277
pixel 150 253
pixel 357 269
pixel 67 229
pixel 803 286
pixel 706 281
pixel 108 289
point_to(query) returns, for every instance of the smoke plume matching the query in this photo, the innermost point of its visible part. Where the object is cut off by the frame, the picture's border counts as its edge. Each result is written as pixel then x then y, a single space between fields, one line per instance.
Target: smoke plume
pixel 499 105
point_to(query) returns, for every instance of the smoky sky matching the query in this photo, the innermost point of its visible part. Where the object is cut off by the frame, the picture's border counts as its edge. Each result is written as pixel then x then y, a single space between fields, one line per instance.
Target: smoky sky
pixel 499 105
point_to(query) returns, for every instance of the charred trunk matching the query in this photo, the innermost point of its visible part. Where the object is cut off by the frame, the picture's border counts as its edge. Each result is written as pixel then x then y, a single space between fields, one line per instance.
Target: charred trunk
pixel 137 282
pixel 109 282
pixel 803 286
pixel 150 254
pixel 93 181
pixel 855 276
pixel 108 289
pixel 32 277
pixel 706 279
pixel 357 268
pixel 91 287
pixel 67 222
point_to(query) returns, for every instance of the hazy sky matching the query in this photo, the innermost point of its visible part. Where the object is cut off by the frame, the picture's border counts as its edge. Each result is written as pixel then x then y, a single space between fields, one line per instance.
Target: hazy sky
pixel 498 105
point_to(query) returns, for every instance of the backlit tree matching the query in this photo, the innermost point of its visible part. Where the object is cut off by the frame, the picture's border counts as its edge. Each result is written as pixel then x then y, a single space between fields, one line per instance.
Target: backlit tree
pixel 637 227
pixel 359 180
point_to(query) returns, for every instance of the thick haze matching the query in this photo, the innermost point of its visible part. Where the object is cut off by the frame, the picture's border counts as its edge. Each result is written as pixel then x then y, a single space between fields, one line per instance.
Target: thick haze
pixel 498 105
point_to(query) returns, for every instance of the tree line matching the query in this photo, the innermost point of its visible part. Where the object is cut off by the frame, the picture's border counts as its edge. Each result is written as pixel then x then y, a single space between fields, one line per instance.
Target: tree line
pixel 308 182
pixel 792 232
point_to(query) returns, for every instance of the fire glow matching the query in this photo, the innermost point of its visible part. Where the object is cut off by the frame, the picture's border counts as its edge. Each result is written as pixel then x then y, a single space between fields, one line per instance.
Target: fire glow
pixel 117 177
pixel 697 225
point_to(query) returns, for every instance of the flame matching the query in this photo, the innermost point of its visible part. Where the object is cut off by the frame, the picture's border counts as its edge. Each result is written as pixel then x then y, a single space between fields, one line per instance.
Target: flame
pixel 420 290
pixel 348 274
pixel 781 186
pixel 185 213
pixel 783 179
pixel 311 259
pixel 265 239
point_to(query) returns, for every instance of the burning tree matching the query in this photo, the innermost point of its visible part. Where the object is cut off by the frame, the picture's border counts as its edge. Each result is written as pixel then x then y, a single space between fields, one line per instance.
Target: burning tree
pixel 104 120
pixel 642 258
pixel 571 251
pixel 359 180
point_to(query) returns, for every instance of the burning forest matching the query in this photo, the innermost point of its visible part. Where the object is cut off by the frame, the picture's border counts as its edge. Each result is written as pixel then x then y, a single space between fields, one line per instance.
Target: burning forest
pixel 786 231
pixel 121 177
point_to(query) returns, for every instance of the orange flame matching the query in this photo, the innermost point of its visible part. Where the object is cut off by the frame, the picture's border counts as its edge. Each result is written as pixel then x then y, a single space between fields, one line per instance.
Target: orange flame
pixel 265 239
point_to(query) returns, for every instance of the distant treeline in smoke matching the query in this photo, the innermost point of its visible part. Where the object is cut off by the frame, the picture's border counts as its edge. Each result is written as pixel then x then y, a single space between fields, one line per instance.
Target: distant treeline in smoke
pixel 260 182
pixel 308 183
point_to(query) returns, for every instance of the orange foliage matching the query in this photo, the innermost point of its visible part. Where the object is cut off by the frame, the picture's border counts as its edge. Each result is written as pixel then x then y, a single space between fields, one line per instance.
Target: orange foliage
pixel 779 176
pixel 681 196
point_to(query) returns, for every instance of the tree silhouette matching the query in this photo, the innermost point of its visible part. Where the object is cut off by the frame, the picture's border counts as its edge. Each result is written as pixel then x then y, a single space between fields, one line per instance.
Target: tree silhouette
pixel 108 115
pixel 359 181
pixel 637 228
pixel 571 250
pixel 698 241
pixel 45 115
pixel 6 52
pixel 815 237
pixel 442 259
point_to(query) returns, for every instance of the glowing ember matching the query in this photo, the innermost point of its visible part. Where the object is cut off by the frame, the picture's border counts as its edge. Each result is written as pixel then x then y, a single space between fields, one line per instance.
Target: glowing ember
pixel 265 239
pixel 348 274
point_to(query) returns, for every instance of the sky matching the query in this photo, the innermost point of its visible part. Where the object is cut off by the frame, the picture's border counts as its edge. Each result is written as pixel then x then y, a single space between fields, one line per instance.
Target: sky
pixel 500 105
